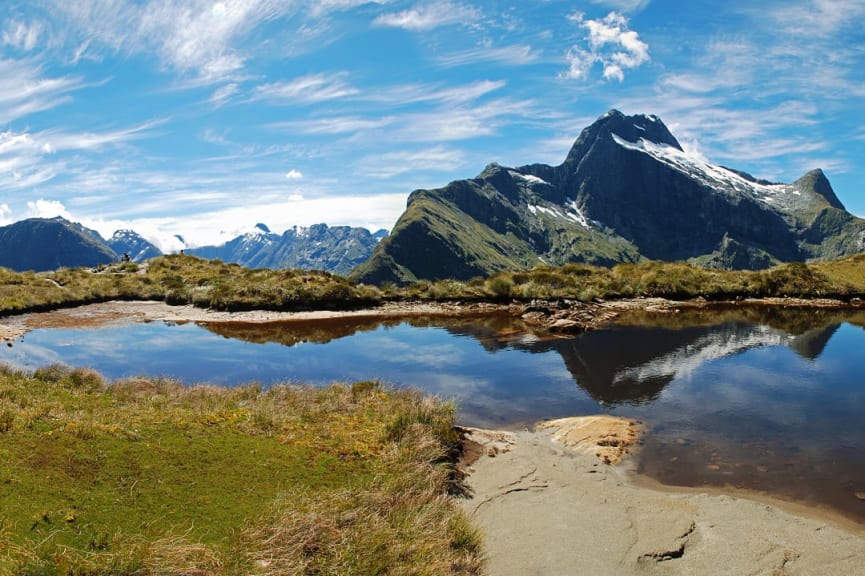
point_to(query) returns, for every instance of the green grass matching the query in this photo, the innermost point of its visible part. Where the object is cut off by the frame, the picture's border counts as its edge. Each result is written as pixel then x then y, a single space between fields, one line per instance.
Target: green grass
pixel 213 284
pixel 146 476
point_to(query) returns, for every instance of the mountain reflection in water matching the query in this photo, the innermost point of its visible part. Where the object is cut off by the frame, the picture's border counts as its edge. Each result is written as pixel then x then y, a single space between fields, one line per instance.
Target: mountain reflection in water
pixel 766 399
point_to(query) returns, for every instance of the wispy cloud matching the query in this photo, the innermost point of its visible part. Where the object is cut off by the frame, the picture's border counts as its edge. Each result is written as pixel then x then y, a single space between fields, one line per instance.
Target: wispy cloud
pixel 624 5
pixel 430 15
pixel 26 90
pixel 430 93
pixel 334 125
pixel 21 35
pixel 391 164
pixel 198 37
pixel 306 89
pixel 610 43
pixel 223 94
pixel 514 55
pixel 812 18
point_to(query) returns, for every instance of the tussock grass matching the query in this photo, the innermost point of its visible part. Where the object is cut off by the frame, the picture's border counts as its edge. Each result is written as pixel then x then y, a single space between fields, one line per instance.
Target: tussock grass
pixel 213 284
pixel 844 278
pixel 147 476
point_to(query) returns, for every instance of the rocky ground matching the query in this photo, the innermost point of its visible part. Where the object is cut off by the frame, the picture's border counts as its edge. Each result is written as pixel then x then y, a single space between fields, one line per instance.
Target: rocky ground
pixel 549 503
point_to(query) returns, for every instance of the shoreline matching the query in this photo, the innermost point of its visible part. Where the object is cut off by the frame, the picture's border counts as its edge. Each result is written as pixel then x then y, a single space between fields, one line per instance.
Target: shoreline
pixel 546 508
pixel 564 317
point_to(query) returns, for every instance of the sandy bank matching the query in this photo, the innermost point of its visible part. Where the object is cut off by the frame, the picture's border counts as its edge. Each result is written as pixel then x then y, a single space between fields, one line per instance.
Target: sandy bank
pixel 548 509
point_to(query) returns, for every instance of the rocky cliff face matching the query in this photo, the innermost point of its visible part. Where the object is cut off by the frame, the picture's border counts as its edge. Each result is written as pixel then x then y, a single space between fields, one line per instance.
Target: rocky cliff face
pixel 335 249
pixel 626 191
pixel 42 244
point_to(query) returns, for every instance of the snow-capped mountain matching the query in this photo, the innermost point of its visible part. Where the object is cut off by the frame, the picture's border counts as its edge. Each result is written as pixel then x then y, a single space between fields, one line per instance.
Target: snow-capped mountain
pixel 336 249
pixel 626 192
pixel 134 245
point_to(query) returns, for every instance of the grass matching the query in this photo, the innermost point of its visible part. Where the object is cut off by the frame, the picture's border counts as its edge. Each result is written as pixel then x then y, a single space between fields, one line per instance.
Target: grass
pixel 843 279
pixel 146 476
pixel 213 284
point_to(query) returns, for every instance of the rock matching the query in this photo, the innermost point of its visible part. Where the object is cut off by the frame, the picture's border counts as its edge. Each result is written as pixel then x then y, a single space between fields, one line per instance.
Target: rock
pixel 566 325
pixel 607 437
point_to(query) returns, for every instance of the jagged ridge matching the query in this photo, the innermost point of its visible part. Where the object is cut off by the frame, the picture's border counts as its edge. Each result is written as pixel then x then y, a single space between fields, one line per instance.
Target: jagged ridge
pixel 626 192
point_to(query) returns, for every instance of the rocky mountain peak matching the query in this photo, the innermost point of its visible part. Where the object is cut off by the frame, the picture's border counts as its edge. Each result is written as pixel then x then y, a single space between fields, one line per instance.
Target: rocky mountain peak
pixel 816 182
pixel 613 124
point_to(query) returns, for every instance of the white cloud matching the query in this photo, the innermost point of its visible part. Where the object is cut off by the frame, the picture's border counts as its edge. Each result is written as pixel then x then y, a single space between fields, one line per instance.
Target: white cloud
pixel 215 227
pixel 25 90
pixel 334 125
pixel 814 17
pixel 624 5
pixel 55 140
pixel 609 43
pixel 47 209
pixel 460 123
pixel 306 89
pixel 197 37
pixel 5 214
pixel 391 164
pixel 515 55
pixel 430 15
pixel 223 94
pixel 22 36
pixel 294 174
pixel 451 95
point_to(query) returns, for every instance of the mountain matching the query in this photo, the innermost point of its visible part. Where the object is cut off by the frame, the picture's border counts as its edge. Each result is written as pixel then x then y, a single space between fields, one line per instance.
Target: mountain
pixel 337 249
pixel 131 243
pixel 42 244
pixel 626 192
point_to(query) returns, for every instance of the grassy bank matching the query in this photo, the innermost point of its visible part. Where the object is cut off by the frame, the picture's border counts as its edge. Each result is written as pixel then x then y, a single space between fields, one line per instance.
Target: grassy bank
pixel 148 477
pixel 213 284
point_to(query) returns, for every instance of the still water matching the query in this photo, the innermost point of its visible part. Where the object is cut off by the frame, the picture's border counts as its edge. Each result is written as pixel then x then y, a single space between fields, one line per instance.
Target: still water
pixel 771 401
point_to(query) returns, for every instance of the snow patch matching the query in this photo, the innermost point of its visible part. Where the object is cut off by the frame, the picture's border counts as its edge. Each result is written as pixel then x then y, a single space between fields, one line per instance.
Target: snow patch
pixel 527 178
pixel 694 165
pixel 571 212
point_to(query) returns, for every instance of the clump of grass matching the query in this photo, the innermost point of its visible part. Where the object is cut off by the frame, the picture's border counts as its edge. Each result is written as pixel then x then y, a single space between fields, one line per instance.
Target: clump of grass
pixel 397 521
pixel 147 476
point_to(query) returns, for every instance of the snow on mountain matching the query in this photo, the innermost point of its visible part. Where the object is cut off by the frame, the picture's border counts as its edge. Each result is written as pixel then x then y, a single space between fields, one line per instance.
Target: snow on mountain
pixel 780 196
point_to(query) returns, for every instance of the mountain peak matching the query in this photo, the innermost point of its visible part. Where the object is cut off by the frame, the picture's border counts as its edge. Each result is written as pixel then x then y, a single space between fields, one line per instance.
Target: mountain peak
pixel 629 128
pixel 816 182
pixel 633 128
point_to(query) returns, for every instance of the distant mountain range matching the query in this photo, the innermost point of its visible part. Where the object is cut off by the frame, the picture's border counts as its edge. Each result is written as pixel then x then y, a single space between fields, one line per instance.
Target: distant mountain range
pixel 626 192
pixel 49 243
pixel 337 249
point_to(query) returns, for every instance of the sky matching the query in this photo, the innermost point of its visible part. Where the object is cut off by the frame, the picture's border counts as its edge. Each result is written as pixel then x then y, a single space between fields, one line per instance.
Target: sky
pixel 202 118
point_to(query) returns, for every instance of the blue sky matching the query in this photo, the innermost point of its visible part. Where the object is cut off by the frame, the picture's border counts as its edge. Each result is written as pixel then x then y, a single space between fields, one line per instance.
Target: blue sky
pixel 202 118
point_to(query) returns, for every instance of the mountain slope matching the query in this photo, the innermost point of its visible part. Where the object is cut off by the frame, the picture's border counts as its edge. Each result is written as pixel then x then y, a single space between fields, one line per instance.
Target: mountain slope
pixel 626 192
pixel 131 243
pixel 41 244
pixel 336 249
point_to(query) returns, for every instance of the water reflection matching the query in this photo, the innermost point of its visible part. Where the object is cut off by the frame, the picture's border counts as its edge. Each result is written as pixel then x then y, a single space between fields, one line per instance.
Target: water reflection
pixel 761 398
